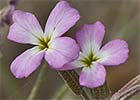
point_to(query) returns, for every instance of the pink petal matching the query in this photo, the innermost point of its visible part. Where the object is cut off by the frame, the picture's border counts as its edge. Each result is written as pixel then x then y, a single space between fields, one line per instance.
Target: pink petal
pixel 114 53
pixel 27 62
pixel 75 64
pixel 72 65
pixel 90 36
pixel 25 29
pixel 61 19
pixel 61 51
pixel 93 76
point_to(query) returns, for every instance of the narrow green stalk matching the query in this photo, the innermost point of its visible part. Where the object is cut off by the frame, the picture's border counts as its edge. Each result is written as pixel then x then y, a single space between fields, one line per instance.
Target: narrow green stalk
pixel 92 93
pixel 61 93
pixel 86 95
pixel 37 85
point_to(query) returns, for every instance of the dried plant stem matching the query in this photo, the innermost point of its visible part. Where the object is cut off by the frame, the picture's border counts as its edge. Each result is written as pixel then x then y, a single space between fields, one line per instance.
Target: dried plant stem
pixel 37 85
pixel 128 90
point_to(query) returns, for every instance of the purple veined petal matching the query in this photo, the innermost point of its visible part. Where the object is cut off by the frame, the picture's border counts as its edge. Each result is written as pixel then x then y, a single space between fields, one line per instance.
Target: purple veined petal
pixel 93 76
pixel 27 62
pixel 18 34
pixel 114 52
pixel 73 65
pixel 25 28
pixel 90 37
pixel 76 63
pixel 61 19
pixel 61 51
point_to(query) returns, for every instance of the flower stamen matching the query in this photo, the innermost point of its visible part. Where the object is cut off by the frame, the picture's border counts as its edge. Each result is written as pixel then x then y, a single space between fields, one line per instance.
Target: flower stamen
pixel 43 43
pixel 89 59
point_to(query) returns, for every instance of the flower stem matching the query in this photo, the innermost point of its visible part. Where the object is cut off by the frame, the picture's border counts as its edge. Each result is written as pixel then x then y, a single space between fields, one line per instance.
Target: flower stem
pixel 61 93
pixel 37 85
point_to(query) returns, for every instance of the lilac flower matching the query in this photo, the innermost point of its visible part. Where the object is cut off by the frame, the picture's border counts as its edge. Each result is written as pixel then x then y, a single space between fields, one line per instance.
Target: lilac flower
pixel 56 50
pixel 93 58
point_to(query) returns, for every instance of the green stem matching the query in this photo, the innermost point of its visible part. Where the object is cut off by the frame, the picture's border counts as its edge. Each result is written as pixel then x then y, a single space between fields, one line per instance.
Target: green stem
pixel 86 94
pixel 92 93
pixel 61 93
pixel 37 85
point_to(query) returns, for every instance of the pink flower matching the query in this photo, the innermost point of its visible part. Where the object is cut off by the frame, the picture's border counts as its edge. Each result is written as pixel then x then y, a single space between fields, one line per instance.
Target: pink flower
pixel 93 58
pixel 56 50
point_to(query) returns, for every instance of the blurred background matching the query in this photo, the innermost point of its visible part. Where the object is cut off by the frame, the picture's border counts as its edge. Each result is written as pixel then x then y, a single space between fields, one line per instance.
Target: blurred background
pixel 121 19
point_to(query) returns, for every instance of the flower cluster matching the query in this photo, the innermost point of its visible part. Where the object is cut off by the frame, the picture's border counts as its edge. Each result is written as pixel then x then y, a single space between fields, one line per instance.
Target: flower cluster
pixel 63 53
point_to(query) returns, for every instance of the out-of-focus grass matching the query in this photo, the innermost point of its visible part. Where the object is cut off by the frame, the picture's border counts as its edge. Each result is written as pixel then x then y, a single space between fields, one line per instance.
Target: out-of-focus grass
pixel 7 78
pixel 121 18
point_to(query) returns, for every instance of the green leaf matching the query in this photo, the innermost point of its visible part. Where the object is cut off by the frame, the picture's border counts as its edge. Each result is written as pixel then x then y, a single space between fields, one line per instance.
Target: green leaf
pixel 101 92
pixel 72 79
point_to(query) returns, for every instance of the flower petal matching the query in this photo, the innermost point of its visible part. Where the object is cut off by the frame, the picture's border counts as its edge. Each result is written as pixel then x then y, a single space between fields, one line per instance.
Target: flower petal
pixel 61 51
pixel 90 36
pixel 27 62
pixel 114 53
pixel 73 65
pixel 25 29
pixel 61 19
pixel 93 76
